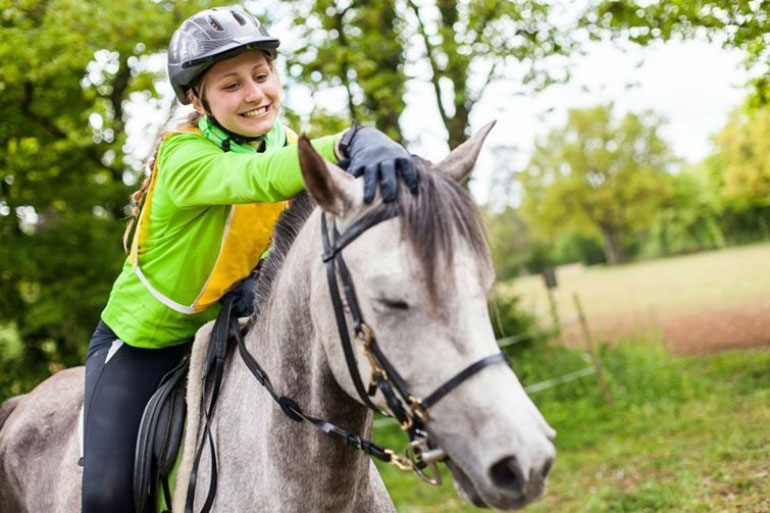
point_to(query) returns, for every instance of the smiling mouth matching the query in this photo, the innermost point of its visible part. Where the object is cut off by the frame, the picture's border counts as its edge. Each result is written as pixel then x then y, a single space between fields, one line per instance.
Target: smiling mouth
pixel 260 111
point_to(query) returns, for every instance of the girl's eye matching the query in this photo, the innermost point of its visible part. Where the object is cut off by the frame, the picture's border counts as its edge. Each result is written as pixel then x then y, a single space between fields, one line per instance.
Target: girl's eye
pixel 230 86
pixel 260 78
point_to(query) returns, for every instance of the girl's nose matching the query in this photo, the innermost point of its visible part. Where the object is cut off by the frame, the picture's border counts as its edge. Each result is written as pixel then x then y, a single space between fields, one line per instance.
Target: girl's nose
pixel 253 92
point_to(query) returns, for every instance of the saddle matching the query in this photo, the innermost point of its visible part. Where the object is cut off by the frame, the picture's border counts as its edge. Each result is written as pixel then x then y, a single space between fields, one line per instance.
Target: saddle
pixel 160 435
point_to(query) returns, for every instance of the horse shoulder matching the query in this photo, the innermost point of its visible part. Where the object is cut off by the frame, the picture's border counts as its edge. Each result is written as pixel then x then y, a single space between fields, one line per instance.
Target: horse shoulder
pixel 372 496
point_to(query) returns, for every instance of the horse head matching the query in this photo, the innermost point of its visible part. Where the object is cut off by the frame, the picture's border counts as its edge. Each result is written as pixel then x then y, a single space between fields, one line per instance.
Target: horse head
pixel 421 280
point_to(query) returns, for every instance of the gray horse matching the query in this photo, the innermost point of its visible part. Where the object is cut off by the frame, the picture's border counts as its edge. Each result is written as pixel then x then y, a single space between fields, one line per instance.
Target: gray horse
pixel 421 278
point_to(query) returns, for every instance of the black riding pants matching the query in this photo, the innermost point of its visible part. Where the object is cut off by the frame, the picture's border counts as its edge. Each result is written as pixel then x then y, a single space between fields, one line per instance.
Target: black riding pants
pixel 120 379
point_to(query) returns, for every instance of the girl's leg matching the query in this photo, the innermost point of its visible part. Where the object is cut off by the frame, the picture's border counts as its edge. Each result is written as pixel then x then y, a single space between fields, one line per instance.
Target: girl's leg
pixel 120 379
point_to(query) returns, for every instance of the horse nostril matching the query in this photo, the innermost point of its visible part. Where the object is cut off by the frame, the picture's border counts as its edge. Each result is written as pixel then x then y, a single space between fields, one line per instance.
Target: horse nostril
pixel 507 474
pixel 547 467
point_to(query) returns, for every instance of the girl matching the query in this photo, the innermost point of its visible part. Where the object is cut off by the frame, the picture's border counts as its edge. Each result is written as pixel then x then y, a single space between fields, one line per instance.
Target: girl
pixel 218 185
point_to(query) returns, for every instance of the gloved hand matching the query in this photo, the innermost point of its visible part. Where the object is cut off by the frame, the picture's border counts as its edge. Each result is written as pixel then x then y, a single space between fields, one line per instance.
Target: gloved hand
pixel 381 160
pixel 243 306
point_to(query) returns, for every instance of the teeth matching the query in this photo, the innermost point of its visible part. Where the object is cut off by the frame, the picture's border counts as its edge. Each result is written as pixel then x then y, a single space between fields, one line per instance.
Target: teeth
pixel 256 112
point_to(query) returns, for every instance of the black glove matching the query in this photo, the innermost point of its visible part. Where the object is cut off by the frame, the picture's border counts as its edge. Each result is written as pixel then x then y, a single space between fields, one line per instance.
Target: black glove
pixel 243 306
pixel 381 160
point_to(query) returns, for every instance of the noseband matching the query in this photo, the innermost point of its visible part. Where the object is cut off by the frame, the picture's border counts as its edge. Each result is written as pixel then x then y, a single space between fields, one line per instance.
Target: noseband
pixel 420 456
pixel 409 410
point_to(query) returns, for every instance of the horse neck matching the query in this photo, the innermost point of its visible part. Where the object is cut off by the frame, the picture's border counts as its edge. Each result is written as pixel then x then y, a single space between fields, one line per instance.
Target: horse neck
pixel 292 353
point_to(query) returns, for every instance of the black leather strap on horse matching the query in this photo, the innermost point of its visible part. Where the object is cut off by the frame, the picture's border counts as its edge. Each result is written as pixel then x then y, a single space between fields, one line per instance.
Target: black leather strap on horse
pixel 330 257
pixel 462 376
pixel 216 358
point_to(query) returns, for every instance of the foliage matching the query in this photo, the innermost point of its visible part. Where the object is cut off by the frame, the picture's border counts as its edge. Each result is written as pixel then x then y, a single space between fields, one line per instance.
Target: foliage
pixel 67 71
pixel 509 318
pixel 690 219
pixel 599 175
pixel 354 45
pixel 735 24
pixel 362 46
pixel 744 146
pixel 509 240
pixel 575 246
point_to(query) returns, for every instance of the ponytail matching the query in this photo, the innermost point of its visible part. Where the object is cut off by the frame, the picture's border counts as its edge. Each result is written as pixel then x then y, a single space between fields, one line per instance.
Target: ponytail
pixel 138 196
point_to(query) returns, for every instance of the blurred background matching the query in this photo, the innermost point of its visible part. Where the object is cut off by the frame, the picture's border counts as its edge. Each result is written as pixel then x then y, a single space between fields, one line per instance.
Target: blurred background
pixel 625 191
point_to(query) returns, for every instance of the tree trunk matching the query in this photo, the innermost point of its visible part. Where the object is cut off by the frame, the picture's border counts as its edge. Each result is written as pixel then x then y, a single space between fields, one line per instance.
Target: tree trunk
pixel 613 246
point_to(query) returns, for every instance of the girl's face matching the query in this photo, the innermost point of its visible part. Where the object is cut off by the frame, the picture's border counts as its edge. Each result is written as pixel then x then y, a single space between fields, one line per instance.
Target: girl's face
pixel 243 93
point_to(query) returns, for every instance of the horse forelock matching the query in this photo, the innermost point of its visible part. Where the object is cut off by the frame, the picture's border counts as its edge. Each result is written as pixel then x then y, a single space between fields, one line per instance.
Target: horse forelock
pixel 437 220
pixel 441 215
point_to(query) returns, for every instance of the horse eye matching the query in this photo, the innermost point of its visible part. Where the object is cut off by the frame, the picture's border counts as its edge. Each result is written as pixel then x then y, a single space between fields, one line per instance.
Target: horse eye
pixel 395 304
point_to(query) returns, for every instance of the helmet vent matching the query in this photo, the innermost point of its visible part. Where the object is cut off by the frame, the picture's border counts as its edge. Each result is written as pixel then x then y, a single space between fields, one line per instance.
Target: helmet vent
pixel 238 18
pixel 214 24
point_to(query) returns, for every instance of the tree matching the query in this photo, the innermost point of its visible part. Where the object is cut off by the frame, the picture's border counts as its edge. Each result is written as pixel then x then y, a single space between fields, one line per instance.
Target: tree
pixel 598 174
pixel 68 69
pixel 361 45
pixel 744 146
pixel 509 241
pixel 354 45
pixel 735 24
pixel 689 219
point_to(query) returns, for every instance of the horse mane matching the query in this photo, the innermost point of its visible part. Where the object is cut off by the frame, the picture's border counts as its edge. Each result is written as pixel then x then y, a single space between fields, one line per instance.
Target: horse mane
pixel 286 229
pixel 441 212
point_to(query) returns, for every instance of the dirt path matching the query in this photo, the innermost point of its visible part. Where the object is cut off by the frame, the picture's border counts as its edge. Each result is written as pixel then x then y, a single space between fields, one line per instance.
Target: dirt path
pixel 718 329
pixel 695 332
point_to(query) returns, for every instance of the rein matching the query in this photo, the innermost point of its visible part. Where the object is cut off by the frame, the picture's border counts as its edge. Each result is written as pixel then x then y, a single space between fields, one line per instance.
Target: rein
pixel 410 411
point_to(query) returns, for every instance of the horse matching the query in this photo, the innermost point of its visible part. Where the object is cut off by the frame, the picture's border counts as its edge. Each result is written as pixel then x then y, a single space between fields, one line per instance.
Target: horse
pixel 421 279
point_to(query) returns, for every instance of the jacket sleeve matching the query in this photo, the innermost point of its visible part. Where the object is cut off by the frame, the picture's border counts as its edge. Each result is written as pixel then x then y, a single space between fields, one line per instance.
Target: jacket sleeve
pixel 197 173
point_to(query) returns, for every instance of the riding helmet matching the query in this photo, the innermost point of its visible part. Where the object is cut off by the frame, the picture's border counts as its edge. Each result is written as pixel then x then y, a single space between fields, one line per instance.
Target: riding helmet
pixel 211 36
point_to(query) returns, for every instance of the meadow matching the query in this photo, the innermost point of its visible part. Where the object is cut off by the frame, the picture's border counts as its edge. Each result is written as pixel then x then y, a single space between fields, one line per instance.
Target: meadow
pixel 688 429
pixel 698 303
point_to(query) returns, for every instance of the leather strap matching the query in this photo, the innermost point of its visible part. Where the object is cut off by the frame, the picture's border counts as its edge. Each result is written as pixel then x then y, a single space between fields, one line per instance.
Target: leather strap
pixel 339 313
pixel 462 376
pixel 216 356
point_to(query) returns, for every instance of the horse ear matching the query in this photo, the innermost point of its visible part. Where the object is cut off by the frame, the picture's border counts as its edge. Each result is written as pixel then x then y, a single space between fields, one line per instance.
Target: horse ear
pixel 331 187
pixel 459 163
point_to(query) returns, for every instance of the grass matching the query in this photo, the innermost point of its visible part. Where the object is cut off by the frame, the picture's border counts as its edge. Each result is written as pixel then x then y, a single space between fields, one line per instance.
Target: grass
pixel 685 434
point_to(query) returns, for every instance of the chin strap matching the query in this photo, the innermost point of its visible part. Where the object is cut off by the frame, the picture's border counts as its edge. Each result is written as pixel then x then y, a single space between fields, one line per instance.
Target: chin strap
pixel 232 137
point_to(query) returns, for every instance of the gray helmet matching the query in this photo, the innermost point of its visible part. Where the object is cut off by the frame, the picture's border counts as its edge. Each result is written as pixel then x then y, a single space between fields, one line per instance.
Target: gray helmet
pixel 211 36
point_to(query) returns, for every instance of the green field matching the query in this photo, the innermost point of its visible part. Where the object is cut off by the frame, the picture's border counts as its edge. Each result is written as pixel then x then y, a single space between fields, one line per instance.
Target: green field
pixel 686 434
pixel 717 298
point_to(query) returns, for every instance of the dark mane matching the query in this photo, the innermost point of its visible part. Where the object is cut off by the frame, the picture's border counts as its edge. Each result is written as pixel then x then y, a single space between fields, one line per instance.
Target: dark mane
pixel 441 211
pixel 431 221
pixel 286 229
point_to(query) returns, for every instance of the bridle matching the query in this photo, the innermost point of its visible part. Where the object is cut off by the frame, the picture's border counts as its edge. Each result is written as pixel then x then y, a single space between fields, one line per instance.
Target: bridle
pixel 410 411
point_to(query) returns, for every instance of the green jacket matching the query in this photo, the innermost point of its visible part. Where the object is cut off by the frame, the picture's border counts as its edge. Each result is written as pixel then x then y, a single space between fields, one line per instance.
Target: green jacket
pixel 206 219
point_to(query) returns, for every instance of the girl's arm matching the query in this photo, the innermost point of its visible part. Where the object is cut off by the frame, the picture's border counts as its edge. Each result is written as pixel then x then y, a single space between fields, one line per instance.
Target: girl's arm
pixel 197 173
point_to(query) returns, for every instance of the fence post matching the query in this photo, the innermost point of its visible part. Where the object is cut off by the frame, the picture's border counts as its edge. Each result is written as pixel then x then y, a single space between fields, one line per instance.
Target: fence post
pixel 549 277
pixel 591 343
